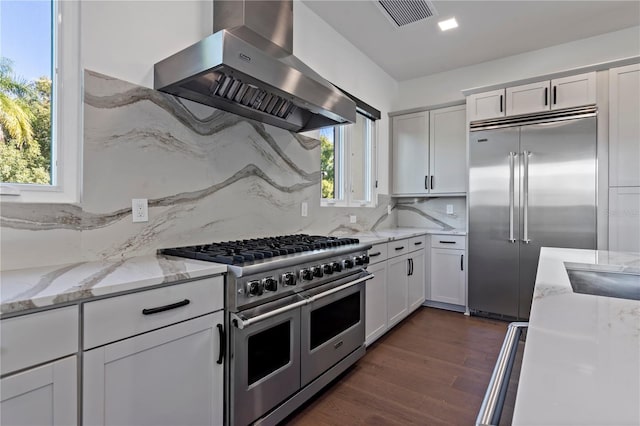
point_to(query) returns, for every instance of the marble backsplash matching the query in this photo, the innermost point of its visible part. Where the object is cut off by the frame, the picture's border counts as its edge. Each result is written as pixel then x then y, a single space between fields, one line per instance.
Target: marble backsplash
pixel 431 213
pixel 208 175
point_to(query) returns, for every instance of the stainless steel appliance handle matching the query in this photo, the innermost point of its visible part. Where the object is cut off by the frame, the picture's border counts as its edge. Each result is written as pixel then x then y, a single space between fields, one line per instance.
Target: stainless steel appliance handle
pixel 339 288
pixel 525 194
pixel 512 157
pixel 491 407
pixel 242 323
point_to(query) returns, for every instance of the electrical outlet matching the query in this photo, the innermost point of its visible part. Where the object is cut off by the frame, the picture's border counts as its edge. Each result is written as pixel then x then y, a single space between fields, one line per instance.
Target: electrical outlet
pixel 352 218
pixel 449 208
pixel 304 210
pixel 139 210
pixel 389 209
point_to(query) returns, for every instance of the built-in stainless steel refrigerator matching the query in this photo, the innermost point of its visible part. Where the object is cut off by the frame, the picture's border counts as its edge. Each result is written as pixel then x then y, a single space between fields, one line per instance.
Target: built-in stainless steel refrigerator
pixel 532 184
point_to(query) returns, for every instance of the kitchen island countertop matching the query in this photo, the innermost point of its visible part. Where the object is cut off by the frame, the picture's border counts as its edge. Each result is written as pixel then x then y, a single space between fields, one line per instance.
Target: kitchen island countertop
pixel 581 361
pixel 34 288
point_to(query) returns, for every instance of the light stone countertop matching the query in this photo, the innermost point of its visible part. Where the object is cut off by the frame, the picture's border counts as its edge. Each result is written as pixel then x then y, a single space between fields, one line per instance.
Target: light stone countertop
pixel 33 288
pixel 386 235
pixel 581 361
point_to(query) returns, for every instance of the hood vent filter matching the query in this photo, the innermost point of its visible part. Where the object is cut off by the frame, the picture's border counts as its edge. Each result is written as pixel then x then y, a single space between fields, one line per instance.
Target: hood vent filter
pixel 405 12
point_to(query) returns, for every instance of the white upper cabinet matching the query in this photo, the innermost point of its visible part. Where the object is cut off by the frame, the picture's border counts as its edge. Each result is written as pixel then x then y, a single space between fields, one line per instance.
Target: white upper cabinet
pixel 411 153
pixel 447 146
pixel 429 152
pixel 528 98
pixel 575 90
pixel 624 126
pixel 565 92
pixel 481 106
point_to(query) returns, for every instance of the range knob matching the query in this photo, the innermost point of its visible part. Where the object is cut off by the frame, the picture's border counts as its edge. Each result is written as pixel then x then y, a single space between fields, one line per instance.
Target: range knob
pixel 255 288
pixel 359 260
pixel 317 271
pixel 347 263
pixel 289 278
pixel 336 266
pixel 270 284
pixel 306 274
pixel 328 268
pixel 365 259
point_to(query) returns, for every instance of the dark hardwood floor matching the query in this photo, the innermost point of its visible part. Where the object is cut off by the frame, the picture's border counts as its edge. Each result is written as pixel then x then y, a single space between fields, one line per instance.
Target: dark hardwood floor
pixel 431 369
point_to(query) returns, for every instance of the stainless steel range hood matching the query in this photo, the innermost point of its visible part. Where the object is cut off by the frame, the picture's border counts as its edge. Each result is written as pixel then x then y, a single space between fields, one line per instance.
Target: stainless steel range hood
pixel 246 67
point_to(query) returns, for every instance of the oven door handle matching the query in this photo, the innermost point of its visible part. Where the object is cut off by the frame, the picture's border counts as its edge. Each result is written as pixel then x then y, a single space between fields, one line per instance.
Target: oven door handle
pixel 241 322
pixel 339 288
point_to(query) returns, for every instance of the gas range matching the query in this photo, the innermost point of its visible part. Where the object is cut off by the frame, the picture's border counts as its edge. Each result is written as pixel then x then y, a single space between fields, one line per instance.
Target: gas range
pixel 265 269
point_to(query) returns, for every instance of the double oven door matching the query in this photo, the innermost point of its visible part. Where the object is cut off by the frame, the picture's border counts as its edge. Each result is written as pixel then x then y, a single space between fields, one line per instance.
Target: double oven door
pixel 280 347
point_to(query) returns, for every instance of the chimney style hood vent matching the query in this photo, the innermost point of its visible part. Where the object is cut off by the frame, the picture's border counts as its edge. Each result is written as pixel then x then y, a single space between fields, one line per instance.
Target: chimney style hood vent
pixel 246 67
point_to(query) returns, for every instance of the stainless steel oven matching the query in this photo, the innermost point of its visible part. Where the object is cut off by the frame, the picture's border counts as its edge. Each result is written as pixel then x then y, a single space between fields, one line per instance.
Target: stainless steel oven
pixel 280 347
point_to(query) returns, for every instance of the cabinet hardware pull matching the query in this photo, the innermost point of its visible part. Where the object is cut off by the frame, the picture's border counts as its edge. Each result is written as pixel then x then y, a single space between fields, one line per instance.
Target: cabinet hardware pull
pixel 546 96
pixel 375 254
pixel 432 182
pixel 426 182
pixel 398 248
pixel 411 260
pixel 151 311
pixel 447 242
pixel 555 95
pixel 337 345
pixel 462 262
pixel 223 344
pixel 500 103
pixel 418 243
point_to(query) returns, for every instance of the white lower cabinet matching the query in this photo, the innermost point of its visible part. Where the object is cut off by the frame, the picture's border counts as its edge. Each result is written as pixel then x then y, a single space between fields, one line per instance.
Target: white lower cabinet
pixel 376 303
pixel 416 279
pixel 165 377
pixel 397 289
pixel 447 276
pixel 45 395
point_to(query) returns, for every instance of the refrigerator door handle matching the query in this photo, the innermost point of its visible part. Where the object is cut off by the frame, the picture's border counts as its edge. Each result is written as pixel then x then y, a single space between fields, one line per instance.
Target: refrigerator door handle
pixel 525 195
pixel 512 157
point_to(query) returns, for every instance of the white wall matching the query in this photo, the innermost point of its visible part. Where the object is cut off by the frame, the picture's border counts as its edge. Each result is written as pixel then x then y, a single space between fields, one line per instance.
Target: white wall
pixel 446 87
pixel 124 39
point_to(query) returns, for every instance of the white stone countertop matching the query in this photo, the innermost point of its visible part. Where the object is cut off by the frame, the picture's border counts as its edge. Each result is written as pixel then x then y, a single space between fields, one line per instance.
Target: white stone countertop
pixel 385 235
pixel 581 362
pixel 32 288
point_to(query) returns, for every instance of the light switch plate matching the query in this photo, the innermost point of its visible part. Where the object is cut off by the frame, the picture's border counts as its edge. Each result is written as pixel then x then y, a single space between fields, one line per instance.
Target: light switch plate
pixel 304 209
pixel 389 209
pixel 352 218
pixel 449 208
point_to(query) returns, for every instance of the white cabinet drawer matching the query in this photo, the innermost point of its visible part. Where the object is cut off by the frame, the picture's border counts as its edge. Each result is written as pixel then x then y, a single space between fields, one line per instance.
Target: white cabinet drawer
pixel 116 318
pixel 417 243
pixel 448 241
pixel 396 248
pixel 36 338
pixel 378 253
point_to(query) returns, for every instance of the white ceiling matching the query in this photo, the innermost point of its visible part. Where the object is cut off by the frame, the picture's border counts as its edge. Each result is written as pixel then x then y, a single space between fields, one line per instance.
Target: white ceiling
pixel 488 30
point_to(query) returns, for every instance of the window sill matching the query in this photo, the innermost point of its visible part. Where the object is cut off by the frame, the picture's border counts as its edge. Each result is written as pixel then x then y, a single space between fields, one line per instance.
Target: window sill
pixel 32 193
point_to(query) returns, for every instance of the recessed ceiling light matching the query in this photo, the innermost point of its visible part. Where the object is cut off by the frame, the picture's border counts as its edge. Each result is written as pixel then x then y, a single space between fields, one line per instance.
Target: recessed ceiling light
pixel 448 24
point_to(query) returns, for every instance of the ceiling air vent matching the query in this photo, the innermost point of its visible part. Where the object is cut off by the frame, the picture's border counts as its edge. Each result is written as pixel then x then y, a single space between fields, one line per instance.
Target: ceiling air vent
pixel 404 12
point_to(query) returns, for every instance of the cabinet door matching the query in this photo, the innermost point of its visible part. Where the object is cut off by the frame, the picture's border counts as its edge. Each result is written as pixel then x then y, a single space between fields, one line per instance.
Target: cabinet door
pixel 397 287
pixel 411 153
pixel 376 303
pixel 528 98
pixel 624 226
pixel 416 279
pixel 447 276
pixel 486 105
pixel 165 377
pixel 447 150
pixel 624 126
pixel 45 395
pixel 575 90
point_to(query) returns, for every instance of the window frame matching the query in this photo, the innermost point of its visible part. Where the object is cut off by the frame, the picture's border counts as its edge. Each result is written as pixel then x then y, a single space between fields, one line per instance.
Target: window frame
pixel 343 174
pixel 66 120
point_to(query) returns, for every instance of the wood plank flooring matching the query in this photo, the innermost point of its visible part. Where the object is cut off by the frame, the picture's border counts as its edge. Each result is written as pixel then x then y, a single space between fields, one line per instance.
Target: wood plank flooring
pixel 431 369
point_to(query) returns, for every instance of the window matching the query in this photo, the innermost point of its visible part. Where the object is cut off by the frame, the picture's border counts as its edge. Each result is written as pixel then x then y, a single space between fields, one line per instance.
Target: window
pixel 347 163
pixel 39 100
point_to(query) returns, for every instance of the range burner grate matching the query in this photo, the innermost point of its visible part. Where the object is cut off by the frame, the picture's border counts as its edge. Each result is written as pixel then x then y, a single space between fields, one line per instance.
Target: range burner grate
pixel 244 251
